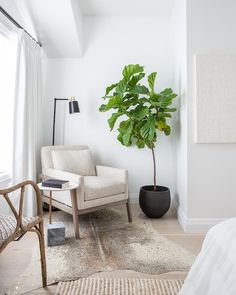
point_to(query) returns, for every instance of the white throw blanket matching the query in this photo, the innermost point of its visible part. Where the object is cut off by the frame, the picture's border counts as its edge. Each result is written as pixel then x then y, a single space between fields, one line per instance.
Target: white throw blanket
pixel 214 270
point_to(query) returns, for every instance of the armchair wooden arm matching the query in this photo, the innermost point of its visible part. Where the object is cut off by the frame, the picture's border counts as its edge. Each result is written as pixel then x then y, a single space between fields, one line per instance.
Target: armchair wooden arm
pixel 116 173
pixel 54 173
pixel 18 215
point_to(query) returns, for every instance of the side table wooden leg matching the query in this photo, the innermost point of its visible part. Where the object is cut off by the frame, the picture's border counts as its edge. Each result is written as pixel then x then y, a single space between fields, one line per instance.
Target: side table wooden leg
pixel 50 207
pixel 75 213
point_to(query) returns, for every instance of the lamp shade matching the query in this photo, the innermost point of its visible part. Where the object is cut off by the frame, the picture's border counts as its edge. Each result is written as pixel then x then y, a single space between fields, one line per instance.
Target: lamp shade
pixel 73 107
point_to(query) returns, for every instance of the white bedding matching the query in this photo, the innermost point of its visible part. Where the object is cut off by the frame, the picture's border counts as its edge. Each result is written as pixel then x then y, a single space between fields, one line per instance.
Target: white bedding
pixel 214 270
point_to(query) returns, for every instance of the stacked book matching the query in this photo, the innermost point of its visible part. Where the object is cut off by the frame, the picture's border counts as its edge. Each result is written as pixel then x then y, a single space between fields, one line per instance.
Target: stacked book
pixel 56 183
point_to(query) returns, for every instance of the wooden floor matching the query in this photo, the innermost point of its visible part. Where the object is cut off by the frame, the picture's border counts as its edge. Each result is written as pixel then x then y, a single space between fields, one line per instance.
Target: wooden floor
pixel 16 257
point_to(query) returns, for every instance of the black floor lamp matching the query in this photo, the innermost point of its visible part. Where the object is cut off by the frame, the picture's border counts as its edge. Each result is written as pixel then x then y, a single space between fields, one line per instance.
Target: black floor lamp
pixel 73 108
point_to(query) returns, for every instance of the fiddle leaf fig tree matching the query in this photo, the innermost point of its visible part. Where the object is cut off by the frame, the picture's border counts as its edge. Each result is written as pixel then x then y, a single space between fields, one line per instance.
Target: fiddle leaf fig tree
pixel 142 110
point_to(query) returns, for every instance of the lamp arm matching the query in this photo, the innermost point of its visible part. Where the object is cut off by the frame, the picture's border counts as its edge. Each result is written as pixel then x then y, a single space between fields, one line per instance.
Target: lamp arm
pixel 54 117
pixel 73 108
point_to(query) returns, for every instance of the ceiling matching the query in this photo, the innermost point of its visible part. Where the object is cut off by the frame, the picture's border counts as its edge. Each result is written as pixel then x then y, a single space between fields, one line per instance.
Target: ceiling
pixel 127 7
pixel 58 24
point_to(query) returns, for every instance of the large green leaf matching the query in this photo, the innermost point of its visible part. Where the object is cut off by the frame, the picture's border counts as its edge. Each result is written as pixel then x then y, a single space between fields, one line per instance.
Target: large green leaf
pixel 140 143
pixel 135 79
pixel 102 108
pixel 166 91
pixel 139 125
pixel 167 130
pixel 114 102
pixel 136 130
pixel 166 101
pixel 154 103
pixel 113 118
pixel 139 89
pixel 130 70
pixel 151 81
pixel 169 97
pixel 126 125
pixel 139 112
pixel 161 125
pixel 155 96
pixel 163 115
pixel 109 88
pixel 125 129
pixel 120 137
pixel 129 96
pixel 121 88
pixel 143 100
pixel 164 104
pixel 130 102
pixel 127 138
pixel 149 143
pixel 171 110
pixel 148 130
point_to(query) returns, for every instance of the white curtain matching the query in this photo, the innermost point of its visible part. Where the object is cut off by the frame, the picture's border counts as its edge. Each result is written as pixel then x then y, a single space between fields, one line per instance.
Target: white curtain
pixel 27 113
pixel 8 41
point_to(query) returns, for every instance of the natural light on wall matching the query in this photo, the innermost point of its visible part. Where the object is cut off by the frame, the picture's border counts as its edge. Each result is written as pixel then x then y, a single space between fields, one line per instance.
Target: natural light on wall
pixel 8 49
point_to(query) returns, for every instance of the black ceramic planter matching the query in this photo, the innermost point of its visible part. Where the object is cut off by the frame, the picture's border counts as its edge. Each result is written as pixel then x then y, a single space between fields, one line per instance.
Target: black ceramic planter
pixel 154 203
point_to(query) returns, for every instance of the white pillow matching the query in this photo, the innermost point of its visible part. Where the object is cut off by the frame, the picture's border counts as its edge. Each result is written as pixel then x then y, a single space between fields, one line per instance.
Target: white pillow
pixel 78 162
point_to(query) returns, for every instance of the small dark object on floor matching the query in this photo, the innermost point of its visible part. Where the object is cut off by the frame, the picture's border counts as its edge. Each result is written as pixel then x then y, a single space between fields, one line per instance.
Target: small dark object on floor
pixel 154 203
pixel 46 207
pixel 55 234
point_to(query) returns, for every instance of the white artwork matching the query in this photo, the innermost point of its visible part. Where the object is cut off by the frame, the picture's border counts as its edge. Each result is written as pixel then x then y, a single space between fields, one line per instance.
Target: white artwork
pixel 215 99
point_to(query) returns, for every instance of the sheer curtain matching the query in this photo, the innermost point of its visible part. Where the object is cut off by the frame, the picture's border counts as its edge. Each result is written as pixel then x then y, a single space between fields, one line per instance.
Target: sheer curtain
pixel 8 45
pixel 27 133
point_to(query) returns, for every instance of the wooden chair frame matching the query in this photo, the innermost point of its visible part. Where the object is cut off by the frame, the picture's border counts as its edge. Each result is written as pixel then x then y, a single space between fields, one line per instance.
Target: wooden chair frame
pixel 75 212
pixel 35 226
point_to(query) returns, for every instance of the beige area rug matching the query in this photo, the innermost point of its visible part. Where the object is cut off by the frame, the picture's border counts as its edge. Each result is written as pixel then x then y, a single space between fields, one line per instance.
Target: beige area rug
pixel 108 242
pixel 119 286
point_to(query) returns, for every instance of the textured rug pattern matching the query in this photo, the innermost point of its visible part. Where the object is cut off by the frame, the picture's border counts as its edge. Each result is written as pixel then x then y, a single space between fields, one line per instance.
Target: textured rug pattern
pixel 119 286
pixel 108 242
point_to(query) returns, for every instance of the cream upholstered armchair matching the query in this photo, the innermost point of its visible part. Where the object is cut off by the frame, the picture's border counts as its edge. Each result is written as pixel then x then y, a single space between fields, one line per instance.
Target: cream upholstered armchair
pixel 99 186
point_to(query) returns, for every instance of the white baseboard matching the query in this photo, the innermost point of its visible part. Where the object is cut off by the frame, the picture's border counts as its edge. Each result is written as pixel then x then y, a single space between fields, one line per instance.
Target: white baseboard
pixel 194 225
pixel 189 225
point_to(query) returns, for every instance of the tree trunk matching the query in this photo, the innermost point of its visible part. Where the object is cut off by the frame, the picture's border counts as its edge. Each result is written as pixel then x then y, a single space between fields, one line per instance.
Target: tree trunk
pixel 154 170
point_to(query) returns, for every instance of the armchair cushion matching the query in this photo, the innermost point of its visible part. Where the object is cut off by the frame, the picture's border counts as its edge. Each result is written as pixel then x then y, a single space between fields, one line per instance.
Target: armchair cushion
pixel 119 174
pixel 77 161
pixel 99 187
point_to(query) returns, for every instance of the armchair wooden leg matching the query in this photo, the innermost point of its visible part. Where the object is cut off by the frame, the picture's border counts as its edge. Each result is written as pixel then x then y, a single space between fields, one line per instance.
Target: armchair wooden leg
pixel 75 213
pixel 129 213
pixel 42 253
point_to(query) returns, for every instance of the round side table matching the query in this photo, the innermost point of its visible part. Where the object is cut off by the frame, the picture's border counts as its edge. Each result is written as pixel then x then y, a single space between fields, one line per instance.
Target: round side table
pixel 59 226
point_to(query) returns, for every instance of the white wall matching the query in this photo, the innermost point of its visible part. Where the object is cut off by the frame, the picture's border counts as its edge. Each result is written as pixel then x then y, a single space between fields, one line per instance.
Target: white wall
pixel 212 167
pixel 201 176
pixel 179 46
pixel 205 184
pixel 111 43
